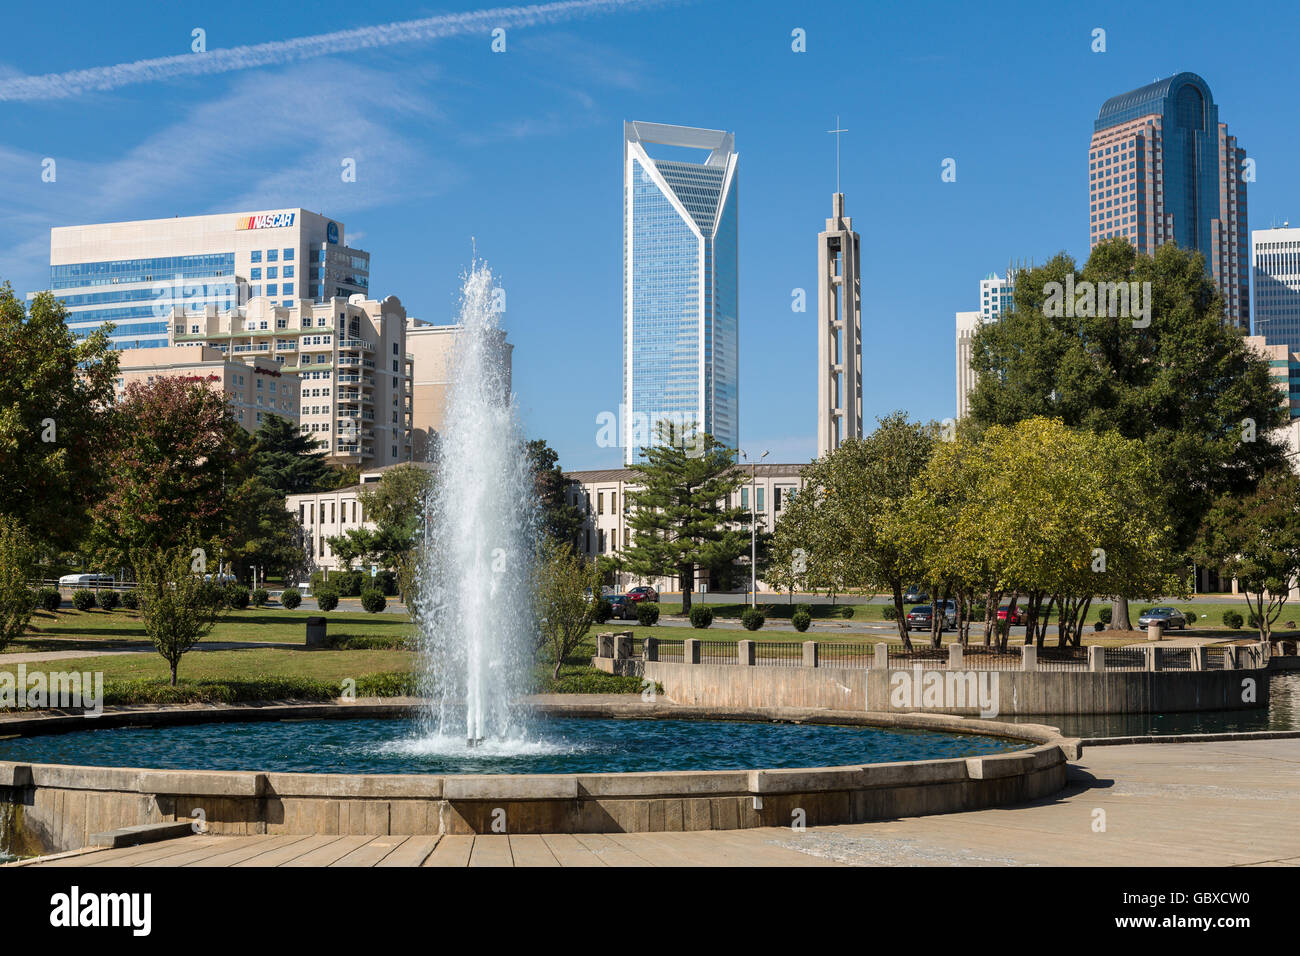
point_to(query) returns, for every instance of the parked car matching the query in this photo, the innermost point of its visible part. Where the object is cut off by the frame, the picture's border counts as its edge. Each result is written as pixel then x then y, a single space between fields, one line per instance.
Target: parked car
pixel 621 607
pixel 915 595
pixel 1167 617
pixel 85 580
pixel 643 593
pixel 1017 616
pixel 920 618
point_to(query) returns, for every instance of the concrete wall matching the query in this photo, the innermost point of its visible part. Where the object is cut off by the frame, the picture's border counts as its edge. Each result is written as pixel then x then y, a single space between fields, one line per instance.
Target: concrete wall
pixel 1017 692
pixel 52 808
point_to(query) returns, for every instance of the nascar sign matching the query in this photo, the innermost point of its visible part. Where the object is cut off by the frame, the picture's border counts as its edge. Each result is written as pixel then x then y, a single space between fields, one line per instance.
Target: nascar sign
pixel 267 220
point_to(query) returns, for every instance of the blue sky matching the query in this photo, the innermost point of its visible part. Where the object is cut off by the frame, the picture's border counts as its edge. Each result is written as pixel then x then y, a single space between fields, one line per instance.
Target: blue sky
pixel 522 150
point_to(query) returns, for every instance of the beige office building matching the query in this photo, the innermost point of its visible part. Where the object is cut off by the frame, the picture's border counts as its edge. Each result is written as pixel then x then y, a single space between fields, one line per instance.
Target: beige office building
pixel 432 349
pixel 349 356
pixel 603 494
pixel 253 388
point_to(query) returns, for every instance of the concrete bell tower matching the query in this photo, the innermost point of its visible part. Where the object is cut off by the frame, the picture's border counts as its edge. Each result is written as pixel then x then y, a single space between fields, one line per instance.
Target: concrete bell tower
pixel 839 332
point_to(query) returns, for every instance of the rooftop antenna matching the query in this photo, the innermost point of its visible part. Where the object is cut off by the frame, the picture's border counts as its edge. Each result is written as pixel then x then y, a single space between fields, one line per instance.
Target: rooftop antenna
pixel 837 132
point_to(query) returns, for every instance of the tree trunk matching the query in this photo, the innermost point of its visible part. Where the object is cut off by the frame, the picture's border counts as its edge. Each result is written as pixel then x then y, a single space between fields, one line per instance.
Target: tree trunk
pixel 1119 615
pixel 900 617
pixel 687 574
pixel 173 667
pixel 555 674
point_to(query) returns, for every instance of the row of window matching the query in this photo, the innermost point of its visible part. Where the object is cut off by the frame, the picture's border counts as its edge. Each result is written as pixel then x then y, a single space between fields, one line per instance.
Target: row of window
pixel 272 255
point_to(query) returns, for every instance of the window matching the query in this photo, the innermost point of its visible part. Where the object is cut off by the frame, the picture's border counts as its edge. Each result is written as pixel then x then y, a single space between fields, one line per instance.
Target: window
pixel 600 502
pixel 255 256
pixel 394 348
pixel 288 272
pixel 272 255
pixel 288 289
pixel 272 272
pixel 255 273
pixel 744 498
pixel 288 254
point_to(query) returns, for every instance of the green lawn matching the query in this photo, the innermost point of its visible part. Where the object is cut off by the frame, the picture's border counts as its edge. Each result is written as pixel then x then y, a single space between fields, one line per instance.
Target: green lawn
pixel 82 630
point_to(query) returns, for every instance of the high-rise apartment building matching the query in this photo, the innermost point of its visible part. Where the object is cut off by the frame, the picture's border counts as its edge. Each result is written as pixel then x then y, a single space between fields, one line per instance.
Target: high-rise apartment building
pixel 996 295
pixel 1276 254
pixel 433 349
pixel 839 331
pixel 680 287
pixel 967 324
pixel 997 298
pixel 1162 168
pixel 348 355
pixel 134 274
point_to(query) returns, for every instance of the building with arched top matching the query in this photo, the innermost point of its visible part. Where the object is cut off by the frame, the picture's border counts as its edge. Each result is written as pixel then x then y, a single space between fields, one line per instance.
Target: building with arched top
pixel 1162 168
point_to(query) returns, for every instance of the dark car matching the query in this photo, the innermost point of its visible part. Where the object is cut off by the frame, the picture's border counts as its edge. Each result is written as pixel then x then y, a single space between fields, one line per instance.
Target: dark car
pixel 1168 617
pixel 643 593
pixel 620 607
pixel 920 617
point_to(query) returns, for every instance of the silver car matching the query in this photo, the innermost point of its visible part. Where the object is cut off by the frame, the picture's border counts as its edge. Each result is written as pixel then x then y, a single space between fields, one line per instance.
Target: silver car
pixel 1166 617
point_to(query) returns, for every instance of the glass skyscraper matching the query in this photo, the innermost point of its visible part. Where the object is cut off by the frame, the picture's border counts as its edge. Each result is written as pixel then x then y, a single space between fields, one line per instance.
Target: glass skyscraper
pixel 1162 168
pixel 680 290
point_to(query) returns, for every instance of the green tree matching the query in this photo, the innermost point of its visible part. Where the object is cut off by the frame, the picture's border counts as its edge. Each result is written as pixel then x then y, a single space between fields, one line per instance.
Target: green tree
pixel 17 560
pixel 557 516
pixel 567 596
pixel 395 505
pixel 1256 538
pixel 1178 380
pixel 289 461
pixel 173 463
pixel 177 607
pixel 54 396
pixel 837 525
pixel 679 512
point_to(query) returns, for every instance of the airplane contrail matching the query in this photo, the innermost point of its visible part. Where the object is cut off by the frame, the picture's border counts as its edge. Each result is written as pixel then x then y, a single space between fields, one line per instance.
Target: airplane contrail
pixel 61 85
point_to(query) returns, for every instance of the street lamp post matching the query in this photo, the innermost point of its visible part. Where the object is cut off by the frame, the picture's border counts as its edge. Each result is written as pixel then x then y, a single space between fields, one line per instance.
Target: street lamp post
pixel 753 528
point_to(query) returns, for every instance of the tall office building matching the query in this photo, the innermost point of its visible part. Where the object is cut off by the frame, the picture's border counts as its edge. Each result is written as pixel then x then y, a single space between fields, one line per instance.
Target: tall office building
pixel 1162 168
pixel 967 324
pixel 134 274
pixel 839 331
pixel 1276 254
pixel 680 294
pixel 996 295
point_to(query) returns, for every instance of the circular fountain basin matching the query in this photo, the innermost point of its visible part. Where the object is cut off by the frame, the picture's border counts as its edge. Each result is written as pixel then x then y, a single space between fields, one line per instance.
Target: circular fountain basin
pixel 561 744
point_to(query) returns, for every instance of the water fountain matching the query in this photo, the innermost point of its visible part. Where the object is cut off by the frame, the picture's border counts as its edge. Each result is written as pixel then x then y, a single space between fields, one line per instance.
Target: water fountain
pixel 473 607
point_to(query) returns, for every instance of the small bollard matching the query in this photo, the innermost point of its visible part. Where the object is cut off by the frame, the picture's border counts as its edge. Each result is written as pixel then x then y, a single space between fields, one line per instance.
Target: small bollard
pixel 316 631
pixel 1155 631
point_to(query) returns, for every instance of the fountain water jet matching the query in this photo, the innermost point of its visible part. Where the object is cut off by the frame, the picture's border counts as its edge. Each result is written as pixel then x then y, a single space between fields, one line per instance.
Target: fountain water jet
pixel 472 604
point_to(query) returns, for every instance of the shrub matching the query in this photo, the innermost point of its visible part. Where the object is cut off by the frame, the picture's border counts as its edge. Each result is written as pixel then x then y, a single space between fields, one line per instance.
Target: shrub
pixel 49 599
pixel 290 598
pixel 603 611
pixel 1232 619
pixel 386 583
pixel 83 600
pixel 701 616
pixel 753 619
pixel 848 611
pixel 806 608
pixel 131 600
pixel 235 596
pixel 1252 620
pixel 373 601
pixel 801 619
pixel 1098 626
pixel 327 600
pixel 647 613
pixel 1103 614
pixel 890 613
pixel 107 600
pixel 1191 617
pixel 369 642
pixel 260 597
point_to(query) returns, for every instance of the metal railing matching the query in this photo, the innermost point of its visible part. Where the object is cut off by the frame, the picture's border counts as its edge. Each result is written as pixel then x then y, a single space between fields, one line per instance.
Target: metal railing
pixel 1175 658
pixel 778 653
pixel 1063 659
pixel 670 652
pixel 718 652
pixel 846 655
pixel 1128 658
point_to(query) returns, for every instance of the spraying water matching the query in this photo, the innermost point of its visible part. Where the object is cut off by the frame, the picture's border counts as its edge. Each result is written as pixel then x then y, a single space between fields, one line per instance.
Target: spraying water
pixel 473 602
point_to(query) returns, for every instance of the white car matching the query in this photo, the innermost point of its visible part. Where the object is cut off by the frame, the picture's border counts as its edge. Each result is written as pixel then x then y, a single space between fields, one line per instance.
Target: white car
pixel 85 580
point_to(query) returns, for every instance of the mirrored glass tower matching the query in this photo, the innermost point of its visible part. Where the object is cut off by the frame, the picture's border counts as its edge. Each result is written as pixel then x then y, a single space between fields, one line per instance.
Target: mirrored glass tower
pixel 680 295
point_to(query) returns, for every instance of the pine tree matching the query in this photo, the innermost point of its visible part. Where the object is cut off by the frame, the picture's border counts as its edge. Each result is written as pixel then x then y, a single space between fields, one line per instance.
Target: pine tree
pixel 679 512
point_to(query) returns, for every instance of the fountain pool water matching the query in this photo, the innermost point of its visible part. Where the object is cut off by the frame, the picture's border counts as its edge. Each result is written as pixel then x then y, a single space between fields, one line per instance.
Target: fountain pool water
pixel 553 744
pixel 473 580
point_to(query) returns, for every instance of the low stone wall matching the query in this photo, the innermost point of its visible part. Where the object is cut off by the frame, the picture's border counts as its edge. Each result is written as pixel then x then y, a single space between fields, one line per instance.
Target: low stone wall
pixel 987 693
pixel 53 808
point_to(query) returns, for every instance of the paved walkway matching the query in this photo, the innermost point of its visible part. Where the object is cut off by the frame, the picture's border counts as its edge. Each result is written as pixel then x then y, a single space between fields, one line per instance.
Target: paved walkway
pixel 32 657
pixel 1220 803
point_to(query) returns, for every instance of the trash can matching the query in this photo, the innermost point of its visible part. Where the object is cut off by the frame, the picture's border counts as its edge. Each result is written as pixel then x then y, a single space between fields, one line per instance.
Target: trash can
pixel 315 632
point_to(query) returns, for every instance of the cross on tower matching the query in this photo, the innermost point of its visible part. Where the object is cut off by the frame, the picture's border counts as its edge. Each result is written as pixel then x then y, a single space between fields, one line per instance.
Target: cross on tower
pixel 837 132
